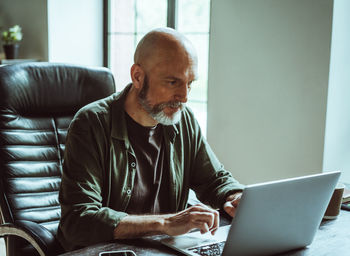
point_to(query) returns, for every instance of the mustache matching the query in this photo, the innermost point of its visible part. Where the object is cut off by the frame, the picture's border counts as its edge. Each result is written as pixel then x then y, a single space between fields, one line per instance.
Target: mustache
pixel 171 104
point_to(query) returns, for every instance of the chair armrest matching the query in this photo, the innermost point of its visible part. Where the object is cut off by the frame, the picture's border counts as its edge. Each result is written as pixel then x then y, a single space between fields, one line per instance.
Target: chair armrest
pixel 38 236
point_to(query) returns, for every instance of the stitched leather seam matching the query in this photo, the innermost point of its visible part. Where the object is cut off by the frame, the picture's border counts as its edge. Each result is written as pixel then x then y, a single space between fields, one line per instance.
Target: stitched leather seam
pixel 30 146
pixel 31 194
pixel 38 209
pixel 26 130
pixel 54 221
pixel 31 207
pixel 33 178
pixel 43 222
pixel 31 161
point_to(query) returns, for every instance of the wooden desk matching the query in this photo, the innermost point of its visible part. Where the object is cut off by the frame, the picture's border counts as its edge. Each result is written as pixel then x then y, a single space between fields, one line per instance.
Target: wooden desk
pixel 332 239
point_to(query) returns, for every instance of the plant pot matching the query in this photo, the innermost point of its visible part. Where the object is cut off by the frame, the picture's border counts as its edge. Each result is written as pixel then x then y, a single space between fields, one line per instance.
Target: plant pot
pixel 11 51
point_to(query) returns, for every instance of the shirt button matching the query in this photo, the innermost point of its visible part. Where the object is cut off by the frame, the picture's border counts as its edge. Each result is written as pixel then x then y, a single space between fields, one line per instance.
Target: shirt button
pixel 133 164
pixel 128 191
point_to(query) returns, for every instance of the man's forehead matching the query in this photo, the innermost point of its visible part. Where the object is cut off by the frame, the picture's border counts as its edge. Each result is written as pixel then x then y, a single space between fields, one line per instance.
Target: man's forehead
pixel 173 69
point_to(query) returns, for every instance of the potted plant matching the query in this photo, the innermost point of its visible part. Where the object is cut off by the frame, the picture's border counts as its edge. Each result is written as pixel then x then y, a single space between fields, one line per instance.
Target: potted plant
pixel 11 39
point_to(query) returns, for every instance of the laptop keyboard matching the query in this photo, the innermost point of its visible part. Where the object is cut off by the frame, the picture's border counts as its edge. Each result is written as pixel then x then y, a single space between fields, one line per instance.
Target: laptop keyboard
pixel 210 249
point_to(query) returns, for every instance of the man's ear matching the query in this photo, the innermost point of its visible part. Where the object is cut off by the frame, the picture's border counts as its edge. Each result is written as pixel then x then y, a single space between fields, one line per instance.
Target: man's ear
pixel 137 75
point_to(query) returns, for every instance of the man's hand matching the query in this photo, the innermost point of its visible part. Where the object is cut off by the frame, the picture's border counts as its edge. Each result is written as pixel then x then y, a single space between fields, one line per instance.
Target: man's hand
pixel 231 203
pixel 198 216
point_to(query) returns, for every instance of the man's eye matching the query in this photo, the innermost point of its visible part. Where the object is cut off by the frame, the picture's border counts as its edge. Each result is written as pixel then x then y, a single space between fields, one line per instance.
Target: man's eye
pixel 172 82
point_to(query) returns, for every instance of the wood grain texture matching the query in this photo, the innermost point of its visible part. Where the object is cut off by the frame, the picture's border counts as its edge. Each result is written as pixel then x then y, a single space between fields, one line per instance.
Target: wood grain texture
pixel 332 238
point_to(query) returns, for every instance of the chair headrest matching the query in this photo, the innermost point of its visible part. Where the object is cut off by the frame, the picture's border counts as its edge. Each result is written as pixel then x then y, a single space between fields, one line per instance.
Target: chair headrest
pixel 39 89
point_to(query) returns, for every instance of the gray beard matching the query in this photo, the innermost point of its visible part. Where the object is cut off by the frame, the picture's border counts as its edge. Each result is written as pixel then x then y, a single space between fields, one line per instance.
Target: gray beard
pixel 157 113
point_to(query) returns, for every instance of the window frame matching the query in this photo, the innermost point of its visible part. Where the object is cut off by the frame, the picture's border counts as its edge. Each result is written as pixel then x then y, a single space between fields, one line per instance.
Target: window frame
pixel 171 22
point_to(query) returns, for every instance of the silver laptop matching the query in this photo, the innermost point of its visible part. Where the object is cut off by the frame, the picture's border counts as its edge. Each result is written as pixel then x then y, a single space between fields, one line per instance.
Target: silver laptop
pixel 271 218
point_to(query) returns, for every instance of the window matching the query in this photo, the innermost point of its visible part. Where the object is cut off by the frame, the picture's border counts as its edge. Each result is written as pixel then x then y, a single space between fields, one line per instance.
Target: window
pixel 129 20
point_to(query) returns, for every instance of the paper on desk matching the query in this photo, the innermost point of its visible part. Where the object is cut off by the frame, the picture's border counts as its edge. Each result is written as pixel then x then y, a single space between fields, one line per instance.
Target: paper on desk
pixel 346 195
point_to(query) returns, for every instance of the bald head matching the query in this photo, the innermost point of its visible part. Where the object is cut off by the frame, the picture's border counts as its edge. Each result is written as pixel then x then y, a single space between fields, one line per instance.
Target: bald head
pixel 161 44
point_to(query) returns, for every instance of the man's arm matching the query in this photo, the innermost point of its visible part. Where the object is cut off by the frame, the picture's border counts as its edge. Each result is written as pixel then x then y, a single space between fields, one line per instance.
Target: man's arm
pixel 198 216
pixel 81 192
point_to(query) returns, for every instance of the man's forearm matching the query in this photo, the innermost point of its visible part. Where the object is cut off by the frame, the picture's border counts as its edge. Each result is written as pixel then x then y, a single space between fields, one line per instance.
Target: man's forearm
pixel 197 216
pixel 133 226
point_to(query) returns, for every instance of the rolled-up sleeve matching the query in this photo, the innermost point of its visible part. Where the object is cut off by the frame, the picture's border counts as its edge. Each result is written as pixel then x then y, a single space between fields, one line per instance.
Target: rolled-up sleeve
pixel 84 219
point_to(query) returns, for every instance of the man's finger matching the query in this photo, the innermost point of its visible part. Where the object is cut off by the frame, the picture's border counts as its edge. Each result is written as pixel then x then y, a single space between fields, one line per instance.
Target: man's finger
pixel 230 208
pixel 203 217
pixel 216 223
pixel 201 208
pixel 204 229
pixel 205 209
pixel 234 197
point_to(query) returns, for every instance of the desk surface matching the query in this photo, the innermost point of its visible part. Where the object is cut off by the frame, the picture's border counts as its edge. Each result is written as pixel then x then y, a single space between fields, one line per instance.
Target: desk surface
pixel 332 238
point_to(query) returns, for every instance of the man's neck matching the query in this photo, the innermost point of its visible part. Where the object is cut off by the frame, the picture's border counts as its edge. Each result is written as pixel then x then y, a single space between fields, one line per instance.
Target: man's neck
pixel 135 110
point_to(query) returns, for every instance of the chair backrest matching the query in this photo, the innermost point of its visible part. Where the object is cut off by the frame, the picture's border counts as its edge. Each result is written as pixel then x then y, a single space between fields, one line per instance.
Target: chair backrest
pixel 37 104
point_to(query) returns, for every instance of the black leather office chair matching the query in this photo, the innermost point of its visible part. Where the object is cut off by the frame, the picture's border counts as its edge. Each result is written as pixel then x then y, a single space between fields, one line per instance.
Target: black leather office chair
pixel 37 104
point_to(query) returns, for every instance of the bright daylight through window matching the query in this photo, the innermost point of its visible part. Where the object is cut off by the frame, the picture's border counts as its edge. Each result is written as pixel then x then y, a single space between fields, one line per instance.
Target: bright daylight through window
pixel 129 20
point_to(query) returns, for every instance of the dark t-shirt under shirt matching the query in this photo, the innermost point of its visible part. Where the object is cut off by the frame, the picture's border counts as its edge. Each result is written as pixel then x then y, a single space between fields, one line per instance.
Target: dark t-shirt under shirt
pixel 151 192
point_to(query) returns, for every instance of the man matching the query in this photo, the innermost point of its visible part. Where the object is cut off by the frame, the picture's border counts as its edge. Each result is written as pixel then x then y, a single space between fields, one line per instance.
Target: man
pixel 131 158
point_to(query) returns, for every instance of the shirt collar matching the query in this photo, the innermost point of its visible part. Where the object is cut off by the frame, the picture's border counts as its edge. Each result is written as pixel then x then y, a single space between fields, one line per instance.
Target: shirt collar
pixel 119 128
pixel 171 131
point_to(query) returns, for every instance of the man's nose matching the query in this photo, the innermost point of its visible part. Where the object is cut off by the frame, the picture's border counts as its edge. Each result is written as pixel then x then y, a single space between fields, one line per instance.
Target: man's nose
pixel 182 93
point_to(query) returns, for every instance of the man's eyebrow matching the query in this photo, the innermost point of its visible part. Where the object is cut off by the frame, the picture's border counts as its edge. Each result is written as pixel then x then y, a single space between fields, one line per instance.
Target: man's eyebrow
pixel 177 78
pixel 172 78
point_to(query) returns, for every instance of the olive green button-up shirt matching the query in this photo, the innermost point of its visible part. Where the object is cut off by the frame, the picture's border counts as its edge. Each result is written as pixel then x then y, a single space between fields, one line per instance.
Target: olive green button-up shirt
pixel 99 170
